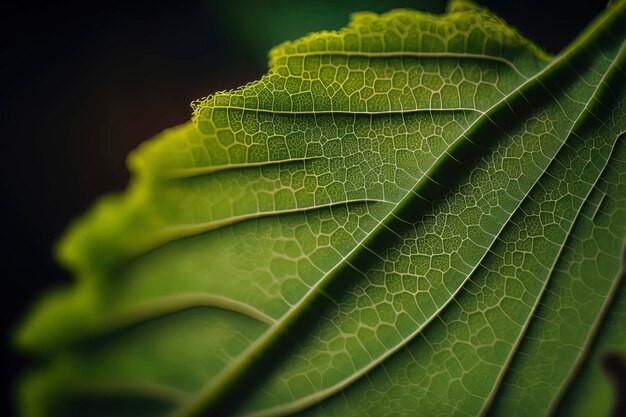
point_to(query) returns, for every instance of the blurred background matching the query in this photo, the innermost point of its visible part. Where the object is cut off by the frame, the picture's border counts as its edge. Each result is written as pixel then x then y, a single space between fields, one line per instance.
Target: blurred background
pixel 85 83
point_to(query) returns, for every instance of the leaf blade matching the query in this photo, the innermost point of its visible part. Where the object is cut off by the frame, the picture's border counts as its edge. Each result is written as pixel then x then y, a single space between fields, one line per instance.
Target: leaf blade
pixel 294 251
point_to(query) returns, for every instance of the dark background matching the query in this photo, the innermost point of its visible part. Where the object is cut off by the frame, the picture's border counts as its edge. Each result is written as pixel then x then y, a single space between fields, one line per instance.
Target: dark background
pixel 83 84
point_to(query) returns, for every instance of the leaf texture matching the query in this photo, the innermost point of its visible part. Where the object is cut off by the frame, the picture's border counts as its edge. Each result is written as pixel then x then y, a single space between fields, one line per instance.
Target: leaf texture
pixel 415 215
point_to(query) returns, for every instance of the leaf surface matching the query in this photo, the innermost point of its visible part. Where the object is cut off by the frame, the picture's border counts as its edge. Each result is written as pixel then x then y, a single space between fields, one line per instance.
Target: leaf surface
pixel 415 215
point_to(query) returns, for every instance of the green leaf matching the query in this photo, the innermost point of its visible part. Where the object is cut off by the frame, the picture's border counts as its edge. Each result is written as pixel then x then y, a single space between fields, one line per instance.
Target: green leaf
pixel 414 215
